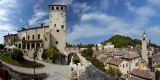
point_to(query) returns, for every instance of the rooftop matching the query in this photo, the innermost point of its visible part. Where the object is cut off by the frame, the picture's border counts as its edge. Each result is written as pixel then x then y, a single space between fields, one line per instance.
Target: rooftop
pixel 24 29
pixel 143 74
pixel 115 62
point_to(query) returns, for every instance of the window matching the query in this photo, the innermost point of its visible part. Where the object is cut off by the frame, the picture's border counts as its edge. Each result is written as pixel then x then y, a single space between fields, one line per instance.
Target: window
pixel 54 25
pixel 33 45
pixel 24 46
pixel 57 8
pixel 136 64
pixel 56 42
pixel 62 26
pixel 143 38
pixel 57 30
pixel 38 36
pixel 126 64
pixel 20 46
pixel 28 37
pixel 61 8
pixel 23 38
pixel 33 37
pixel 28 46
pixel 52 8
pixel 123 65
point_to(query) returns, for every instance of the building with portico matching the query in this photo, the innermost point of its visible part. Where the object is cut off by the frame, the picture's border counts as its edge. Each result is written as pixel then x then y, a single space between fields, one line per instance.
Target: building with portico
pixel 43 36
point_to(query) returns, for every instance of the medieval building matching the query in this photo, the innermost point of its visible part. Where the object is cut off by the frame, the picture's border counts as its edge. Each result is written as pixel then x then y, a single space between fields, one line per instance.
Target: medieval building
pixel 43 36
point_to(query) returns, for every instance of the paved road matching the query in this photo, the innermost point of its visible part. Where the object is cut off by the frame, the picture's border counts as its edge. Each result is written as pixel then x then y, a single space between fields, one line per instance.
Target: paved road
pixel 55 72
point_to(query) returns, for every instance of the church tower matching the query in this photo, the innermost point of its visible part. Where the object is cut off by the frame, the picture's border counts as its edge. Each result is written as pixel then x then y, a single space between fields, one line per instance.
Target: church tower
pixel 57 26
pixel 144 41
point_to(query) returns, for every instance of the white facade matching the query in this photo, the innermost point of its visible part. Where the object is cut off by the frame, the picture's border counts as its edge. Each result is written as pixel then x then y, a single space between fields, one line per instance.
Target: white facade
pixel 100 47
pixel 109 46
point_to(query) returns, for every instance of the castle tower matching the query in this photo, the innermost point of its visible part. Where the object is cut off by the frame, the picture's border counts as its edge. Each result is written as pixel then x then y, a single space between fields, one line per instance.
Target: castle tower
pixel 144 47
pixel 57 26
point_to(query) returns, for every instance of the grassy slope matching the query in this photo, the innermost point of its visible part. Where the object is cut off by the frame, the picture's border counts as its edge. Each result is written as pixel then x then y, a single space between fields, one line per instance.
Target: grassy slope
pixel 25 63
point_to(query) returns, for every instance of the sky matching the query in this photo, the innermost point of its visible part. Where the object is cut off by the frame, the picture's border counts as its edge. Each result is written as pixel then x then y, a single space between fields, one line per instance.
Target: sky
pixel 88 21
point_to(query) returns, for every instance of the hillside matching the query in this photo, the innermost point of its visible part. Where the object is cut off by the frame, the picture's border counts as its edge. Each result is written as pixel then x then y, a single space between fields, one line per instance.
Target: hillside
pixel 120 41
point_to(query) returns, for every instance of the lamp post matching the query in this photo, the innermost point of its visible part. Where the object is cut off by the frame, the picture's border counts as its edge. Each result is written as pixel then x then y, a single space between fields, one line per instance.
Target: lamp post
pixel 34 56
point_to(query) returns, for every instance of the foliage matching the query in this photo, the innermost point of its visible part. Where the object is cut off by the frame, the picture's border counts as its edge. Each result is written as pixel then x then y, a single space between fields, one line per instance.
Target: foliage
pixel 114 72
pixel 88 55
pixel 44 55
pixel 120 41
pixel 157 74
pixel 51 53
pixel 1 46
pixel 85 45
pixel 17 55
pixel 87 52
pixel 76 59
pixel 25 63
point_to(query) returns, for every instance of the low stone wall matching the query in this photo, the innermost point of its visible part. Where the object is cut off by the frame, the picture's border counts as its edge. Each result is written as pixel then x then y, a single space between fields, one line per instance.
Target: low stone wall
pixel 23 76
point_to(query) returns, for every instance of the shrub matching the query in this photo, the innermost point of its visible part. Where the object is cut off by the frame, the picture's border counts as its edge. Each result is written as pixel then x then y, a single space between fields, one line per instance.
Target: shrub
pixel 17 55
pixel 44 56
pixel 114 72
pixel 76 59
pixel 51 53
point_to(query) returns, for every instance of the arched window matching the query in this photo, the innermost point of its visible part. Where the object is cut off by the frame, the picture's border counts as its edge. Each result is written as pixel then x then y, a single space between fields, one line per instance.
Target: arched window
pixel 33 45
pixel 38 45
pixel 28 46
pixel 39 36
pixel 20 46
pixel 28 37
pixel 33 37
pixel 24 46
pixel 23 38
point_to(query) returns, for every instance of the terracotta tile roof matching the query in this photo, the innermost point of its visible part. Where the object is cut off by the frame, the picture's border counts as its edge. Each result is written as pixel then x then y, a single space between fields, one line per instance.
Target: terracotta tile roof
pixel 144 74
pixel 130 55
pixel 115 62
pixel 102 57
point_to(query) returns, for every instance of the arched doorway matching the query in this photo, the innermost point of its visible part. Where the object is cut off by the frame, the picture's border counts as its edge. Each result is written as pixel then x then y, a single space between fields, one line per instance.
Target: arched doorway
pixel 69 57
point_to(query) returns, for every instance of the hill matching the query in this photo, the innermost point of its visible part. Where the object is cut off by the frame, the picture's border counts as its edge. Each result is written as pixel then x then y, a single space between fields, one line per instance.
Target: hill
pixel 120 41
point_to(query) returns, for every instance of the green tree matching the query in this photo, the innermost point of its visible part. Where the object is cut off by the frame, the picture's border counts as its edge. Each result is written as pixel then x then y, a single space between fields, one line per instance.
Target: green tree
pixel 52 53
pixel 113 72
pixel 76 59
pixel 17 55
pixel 157 74
pixel 1 46
pixel 87 52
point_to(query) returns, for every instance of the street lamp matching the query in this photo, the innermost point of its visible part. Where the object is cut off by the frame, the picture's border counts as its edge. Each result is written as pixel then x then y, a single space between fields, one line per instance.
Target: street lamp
pixel 34 56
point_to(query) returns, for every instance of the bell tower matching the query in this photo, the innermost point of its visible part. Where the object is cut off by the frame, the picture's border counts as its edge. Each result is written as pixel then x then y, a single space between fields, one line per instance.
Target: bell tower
pixel 57 26
pixel 144 41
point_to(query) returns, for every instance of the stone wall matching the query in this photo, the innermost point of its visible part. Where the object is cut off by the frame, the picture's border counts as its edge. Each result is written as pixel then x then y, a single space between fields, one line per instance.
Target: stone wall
pixel 24 76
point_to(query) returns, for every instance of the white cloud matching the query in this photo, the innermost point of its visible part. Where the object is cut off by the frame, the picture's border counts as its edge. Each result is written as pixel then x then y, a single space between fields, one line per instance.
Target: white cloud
pixel 38 16
pixel 7 10
pixel 81 7
pixel 63 2
pixel 109 25
pixel 154 2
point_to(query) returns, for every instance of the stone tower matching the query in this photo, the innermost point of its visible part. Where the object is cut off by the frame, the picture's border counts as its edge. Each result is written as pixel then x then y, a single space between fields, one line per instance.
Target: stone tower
pixel 144 47
pixel 57 26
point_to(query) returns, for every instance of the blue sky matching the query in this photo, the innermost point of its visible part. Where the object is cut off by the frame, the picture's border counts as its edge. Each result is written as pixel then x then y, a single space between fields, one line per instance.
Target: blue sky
pixel 88 21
